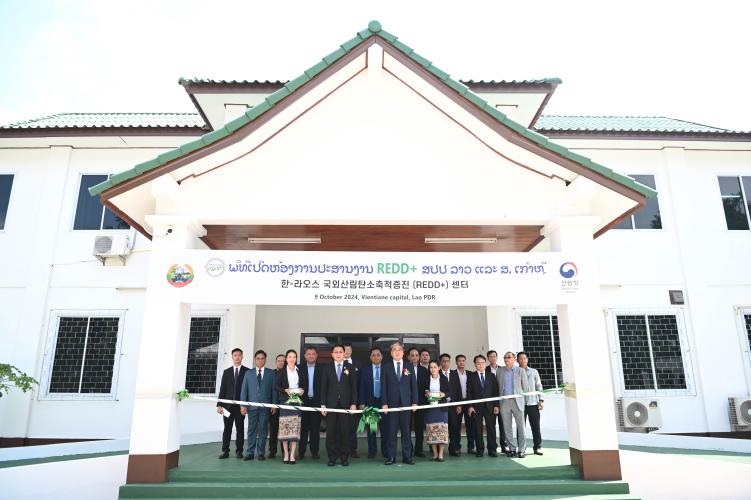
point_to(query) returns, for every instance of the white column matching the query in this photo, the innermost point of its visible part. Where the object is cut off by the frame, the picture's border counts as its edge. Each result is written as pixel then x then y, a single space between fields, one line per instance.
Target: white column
pixel 501 330
pixel 162 358
pixel 585 356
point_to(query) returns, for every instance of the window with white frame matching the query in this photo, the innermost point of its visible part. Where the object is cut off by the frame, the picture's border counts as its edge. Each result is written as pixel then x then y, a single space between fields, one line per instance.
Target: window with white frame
pixel 647 217
pixel 746 325
pixel 735 193
pixel 6 183
pixel 652 352
pixel 90 212
pixel 540 342
pixel 84 354
pixel 201 373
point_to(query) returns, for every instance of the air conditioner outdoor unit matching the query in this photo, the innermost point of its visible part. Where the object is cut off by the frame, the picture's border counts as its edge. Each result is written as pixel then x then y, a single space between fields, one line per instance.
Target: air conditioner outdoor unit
pixel 640 413
pixel 740 414
pixel 114 245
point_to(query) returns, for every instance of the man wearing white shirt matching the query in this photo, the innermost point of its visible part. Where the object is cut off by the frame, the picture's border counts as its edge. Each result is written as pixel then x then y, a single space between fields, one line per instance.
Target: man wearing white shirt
pixel 356 417
pixel 462 375
pixel 232 381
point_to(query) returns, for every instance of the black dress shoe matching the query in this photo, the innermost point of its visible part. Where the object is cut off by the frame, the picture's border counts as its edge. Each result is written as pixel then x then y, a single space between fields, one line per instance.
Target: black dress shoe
pixel 354 454
pixel 521 454
pixel 420 454
pixel 248 458
pixel 261 458
pixel 371 455
pixel 239 454
pixel 408 461
pixel 272 455
pixel 471 451
pixel 345 462
pixel 453 454
pixel 478 454
pixel 225 454
pixel 510 454
pixel 492 454
pixel 315 456
pixel 331 463
pixel 301 457
pixel 538 451
pixel 389 461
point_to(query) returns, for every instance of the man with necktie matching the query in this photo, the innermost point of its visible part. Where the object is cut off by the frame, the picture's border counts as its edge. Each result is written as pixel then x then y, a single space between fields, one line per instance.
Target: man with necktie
pixel 258 387
pixel 398 389
pixel 338 390
pixel 482 386
pixel 369 394
pixel 348 350
pixel 232 381
pixel 274 418
pixel 311 371
pixel 454 412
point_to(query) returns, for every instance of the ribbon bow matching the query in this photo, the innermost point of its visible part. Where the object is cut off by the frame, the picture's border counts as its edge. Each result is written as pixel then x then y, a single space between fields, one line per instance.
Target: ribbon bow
pixel 370 417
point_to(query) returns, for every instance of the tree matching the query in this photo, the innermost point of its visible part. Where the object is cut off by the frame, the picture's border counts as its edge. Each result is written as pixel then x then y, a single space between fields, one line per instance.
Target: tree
pixel 10 377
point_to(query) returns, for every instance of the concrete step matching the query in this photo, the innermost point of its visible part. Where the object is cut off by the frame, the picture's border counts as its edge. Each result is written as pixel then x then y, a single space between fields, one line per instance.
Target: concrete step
pixel 252 472
pixel 301 487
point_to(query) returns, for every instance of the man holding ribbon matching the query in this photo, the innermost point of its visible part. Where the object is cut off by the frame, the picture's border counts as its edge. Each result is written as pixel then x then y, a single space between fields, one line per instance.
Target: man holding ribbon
pixel 369 394
pixel 399 389
pixel 338 390
pixel 232 381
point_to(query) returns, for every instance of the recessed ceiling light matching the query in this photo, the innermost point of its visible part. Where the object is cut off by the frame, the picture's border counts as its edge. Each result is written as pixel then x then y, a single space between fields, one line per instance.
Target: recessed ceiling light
pixel 286 241
pixel 492 240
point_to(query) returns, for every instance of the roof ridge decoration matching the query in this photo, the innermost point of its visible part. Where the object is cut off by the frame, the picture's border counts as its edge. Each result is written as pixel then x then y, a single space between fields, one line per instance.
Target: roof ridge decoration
pixel 374 29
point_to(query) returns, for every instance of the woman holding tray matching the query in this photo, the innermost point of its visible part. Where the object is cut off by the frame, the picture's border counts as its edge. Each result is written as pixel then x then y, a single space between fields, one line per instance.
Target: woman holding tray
pixel 437 419
pixel 291 385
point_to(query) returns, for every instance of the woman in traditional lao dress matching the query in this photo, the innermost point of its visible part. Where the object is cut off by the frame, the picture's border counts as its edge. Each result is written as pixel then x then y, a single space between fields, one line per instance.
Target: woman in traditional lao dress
pixel 437 419
pixel 290 381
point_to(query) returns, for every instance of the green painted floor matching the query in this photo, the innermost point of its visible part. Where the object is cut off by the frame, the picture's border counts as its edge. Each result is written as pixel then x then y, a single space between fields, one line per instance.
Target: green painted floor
pixel 202 475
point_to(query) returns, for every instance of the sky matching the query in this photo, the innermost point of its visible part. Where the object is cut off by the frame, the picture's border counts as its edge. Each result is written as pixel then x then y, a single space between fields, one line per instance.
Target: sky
pixel 686 60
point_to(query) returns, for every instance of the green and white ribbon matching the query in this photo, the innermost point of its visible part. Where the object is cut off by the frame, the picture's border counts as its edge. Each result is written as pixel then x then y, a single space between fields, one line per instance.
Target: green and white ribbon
pixel 184 394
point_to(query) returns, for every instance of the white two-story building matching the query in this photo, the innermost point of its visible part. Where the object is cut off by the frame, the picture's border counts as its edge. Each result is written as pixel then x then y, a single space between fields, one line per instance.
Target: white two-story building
pixel 675 275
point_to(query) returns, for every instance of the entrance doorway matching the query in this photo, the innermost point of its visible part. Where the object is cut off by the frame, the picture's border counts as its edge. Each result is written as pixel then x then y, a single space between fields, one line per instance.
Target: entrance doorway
pixel 363 342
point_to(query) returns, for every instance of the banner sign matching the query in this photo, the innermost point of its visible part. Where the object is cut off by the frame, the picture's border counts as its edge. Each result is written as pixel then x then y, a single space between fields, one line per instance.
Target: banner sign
pixel 372 278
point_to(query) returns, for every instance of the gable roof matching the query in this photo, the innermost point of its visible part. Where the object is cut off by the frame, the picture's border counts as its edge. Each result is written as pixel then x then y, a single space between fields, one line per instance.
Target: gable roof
pixel 104 120
pixel 557 125
pixel 374 30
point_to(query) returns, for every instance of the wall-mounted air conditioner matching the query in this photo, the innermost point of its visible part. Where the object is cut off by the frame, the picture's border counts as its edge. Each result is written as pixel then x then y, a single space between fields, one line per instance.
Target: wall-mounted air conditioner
pixel 639 414
pixel 740 414
pixel 114 245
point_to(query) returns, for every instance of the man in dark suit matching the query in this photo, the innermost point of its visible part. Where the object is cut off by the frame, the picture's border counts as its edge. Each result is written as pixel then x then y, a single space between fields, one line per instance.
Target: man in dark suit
pixel 311 420
pixel 422 377
pixel 258 387
pixel 482 386
pixel 469 426
pixel 280 361
pixel 490 370
pixel 399 389
pixel 232 381
pixel 369 393
pixel 338 390
pixel 356 417
pixel 454 395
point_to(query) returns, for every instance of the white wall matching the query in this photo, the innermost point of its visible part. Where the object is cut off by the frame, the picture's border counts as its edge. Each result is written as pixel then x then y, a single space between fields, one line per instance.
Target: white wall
pixel 45 266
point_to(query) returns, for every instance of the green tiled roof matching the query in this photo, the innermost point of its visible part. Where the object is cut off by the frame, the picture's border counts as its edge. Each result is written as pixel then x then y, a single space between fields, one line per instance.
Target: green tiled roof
pixel 104 120
pixel 373 30
pixel 623 124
